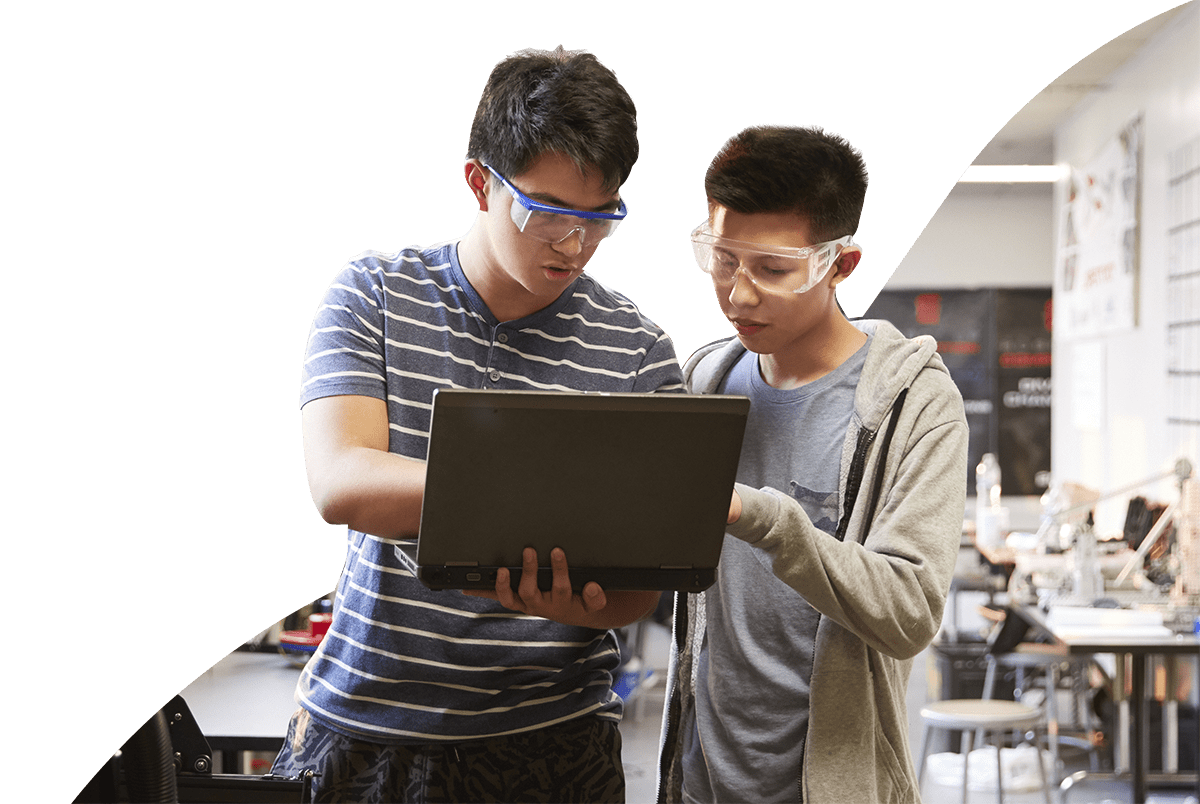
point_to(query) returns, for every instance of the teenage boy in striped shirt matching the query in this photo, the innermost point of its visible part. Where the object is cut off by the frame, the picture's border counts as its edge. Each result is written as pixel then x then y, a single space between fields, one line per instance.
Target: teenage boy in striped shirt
pixel 442 696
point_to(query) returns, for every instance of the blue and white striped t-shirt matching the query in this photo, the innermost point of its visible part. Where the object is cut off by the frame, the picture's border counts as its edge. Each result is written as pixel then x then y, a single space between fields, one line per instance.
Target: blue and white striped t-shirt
pixel 401 663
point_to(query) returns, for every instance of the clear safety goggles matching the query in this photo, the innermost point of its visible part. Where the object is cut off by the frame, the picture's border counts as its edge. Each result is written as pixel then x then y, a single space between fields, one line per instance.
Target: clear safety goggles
pixel 552 224
pixel 773 268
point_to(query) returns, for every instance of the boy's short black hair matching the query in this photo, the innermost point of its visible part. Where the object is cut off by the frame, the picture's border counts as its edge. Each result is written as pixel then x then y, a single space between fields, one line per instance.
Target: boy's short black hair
pixel 797 170
pixel 540 101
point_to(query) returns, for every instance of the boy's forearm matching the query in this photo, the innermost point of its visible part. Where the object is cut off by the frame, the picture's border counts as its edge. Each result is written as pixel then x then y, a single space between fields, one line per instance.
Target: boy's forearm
pixel 353 478
pixel 370 491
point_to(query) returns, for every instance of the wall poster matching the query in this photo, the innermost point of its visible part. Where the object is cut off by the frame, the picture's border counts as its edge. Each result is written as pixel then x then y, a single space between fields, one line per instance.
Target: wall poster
pixel 1097 264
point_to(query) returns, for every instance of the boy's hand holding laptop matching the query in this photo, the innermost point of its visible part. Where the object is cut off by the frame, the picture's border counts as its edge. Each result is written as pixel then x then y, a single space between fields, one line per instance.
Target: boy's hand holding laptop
pixel 590 607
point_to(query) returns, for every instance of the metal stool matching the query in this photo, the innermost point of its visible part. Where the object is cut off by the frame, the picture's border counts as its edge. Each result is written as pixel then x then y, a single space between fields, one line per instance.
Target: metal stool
pixel 1036 669
pixel 969 715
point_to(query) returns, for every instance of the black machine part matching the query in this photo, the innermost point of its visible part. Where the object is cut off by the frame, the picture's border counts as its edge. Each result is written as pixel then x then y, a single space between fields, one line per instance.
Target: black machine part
pixel 169 760
pixel 148 762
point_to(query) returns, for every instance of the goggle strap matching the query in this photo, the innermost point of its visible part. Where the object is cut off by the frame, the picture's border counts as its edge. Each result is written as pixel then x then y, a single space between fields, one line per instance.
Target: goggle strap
pixel 531 206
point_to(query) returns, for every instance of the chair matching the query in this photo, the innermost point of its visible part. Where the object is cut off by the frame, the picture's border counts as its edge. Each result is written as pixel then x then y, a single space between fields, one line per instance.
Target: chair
pixel 971 715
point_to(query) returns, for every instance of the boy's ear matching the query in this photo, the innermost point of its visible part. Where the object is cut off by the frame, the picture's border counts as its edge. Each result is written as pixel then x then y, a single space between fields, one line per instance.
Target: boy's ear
pixel 847 261
pixel 477 175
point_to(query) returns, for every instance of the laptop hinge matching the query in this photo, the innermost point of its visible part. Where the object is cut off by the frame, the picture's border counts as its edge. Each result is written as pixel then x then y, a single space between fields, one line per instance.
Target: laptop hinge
pixel 462 564
pixel 675 567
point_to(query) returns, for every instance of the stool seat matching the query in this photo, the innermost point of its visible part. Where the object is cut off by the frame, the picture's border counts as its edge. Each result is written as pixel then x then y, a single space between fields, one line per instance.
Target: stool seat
pixel 970 713
pixel 984 715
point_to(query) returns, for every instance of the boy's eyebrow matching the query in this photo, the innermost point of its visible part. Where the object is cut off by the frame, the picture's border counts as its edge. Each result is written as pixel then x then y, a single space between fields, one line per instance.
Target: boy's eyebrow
pixel 555 201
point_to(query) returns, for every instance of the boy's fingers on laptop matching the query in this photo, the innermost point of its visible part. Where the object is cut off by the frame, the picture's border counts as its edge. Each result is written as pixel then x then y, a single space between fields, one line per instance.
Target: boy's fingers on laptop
pixel 528 588
pixel 593 597
pixel 560 603
pixel 560 577
pixel 528 598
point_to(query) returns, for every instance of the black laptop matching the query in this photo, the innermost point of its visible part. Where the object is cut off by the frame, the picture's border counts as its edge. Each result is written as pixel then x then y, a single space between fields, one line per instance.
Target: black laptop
pixel 634 487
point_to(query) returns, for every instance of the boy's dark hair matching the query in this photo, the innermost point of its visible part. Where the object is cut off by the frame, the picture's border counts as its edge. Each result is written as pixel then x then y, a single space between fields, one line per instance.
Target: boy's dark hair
pixel 539 101
pixel 798 170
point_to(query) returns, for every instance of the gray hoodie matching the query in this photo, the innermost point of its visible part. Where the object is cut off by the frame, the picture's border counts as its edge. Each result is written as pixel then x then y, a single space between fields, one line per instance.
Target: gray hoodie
pixel 880 584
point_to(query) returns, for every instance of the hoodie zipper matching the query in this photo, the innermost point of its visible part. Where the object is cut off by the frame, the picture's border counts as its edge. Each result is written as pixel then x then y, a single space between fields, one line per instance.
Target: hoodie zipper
pixel 674 703
pixel 858 466
pixel 854 479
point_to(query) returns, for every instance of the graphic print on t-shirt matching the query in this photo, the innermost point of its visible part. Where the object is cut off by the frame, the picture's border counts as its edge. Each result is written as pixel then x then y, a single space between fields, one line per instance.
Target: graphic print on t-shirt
pixel 821 507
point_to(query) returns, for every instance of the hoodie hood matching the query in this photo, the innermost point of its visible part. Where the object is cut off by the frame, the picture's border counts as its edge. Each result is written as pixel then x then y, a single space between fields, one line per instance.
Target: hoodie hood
pixel 893 362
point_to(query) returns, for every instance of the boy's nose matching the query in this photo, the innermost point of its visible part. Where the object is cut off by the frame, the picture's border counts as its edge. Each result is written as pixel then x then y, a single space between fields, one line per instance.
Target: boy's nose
pixel 744 293
pixel 572 244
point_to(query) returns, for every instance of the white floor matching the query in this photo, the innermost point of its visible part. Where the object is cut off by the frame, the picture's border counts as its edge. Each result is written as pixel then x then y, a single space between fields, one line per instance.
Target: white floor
pixel 641 726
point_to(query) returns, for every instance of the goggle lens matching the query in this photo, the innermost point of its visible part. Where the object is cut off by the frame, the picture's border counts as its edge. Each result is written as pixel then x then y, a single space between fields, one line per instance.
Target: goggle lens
pixel 776 269
pixel 552 224
pixel 554 227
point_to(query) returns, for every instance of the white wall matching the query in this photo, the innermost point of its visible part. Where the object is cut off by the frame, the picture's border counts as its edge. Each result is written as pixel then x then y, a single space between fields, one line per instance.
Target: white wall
pixel 984 235
pixel 1162 82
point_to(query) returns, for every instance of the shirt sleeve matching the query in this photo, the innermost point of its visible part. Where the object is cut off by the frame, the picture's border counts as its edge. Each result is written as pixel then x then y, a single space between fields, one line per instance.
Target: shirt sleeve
pixel 345 351
pixel 661 370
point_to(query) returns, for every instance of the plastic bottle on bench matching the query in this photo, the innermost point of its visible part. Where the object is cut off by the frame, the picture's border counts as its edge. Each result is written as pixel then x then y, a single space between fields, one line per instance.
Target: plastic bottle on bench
pixel 987 502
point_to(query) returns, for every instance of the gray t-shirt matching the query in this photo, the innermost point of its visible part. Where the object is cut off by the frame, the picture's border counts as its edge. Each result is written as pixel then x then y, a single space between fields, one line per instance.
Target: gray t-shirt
pixel 756 661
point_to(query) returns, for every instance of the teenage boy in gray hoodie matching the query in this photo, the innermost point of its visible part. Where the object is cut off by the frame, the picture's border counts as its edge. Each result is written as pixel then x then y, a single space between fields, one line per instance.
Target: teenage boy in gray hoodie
pixel 788 676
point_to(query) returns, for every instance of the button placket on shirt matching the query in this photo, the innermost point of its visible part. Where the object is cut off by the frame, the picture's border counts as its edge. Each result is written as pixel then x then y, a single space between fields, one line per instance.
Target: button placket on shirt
pixel 494 373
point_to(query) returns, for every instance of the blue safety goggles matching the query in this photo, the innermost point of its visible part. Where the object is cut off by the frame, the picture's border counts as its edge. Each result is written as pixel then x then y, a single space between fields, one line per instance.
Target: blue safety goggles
pixel 552 224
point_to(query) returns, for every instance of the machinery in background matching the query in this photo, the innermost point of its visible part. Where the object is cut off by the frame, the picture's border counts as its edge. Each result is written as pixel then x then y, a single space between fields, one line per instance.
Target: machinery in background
pixel 169 760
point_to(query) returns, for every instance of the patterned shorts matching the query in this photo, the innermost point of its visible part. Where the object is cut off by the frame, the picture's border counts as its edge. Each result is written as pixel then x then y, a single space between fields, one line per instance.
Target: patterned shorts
pixel 577 761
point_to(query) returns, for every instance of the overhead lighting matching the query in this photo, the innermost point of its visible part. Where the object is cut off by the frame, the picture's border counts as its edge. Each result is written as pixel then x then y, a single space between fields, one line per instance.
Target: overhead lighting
pixel 1014 174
